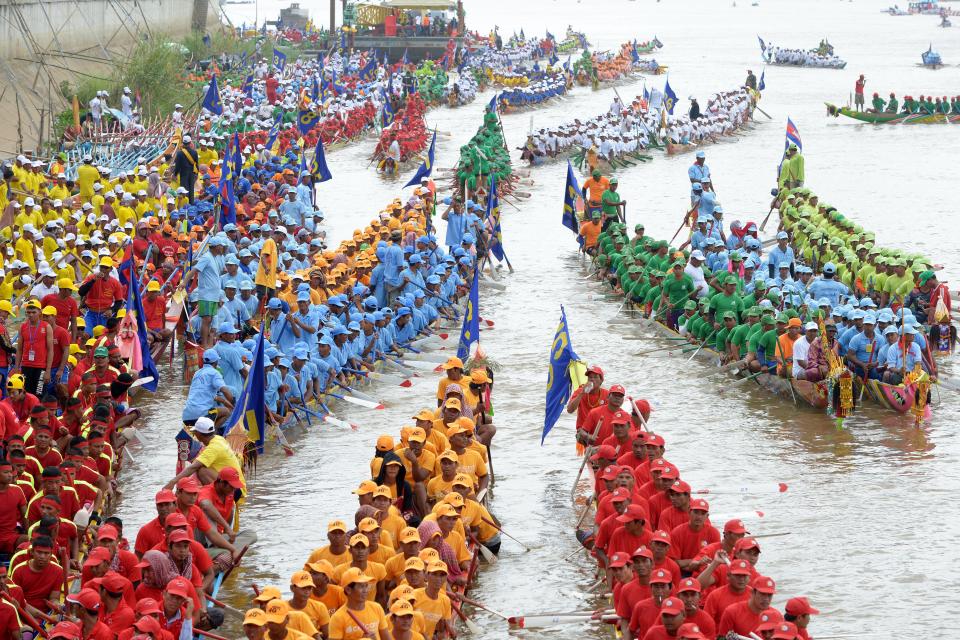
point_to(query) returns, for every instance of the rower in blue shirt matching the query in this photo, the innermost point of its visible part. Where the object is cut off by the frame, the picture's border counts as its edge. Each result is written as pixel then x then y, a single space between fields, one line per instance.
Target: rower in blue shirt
pixel 862 350
pixel 827 286
pixel 698 171
pixel 903 358
pixel 412 276
pixel 206 388
pixel 231 358
pixel 780 254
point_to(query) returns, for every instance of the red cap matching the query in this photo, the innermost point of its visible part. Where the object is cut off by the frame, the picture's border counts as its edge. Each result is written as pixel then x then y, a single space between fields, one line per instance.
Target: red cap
pixel 679 486
pixel 165 496
pixel 690 631
pixel 113 582
pixel 179 586
pixel 178 535
pixel 108 532
pixel 595 369
pixel 190 485
pixel 147 624
pixel 618 560
pixel 146 606
pixel 618 389
pixel 699 504
pixel 764 584
pixel 633 512
pixel 768 620
pixel 642 552
pixel 656 440
pixel 96 556
pixel 231 476
pixel 661 576
pixel 86 598
pixel 65 630
pixel 745 543
pixel 176 519
pixel 734 526
pixel 660 536
pixel 604 451
pixel 619 419
pixel 689 584
pixel 785 631
pixel 610 472
pixel 741 567
pixel 799 606
pixel 669 472
pixel 671 606
pixel 620 494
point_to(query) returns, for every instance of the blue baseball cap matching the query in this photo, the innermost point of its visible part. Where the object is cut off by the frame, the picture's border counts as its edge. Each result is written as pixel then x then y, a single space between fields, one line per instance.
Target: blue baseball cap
pixel 274 304
pixel 228 327
pixel 211 356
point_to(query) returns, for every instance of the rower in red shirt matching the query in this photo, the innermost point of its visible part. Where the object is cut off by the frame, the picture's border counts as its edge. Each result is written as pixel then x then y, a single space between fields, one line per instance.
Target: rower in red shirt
pixel 678 512
pixel 655 446
pixel 64 303
pixel 733 531
pixel 52 484
pixel 638 588
pixel 690 538
pixel 660 545
pixel 602 458
pixel 40 578
pixel 689 593
pixel 798 611
pixel 13 509
pixel 637 455
pixel 19 400
pixel 216 499
pixel 115 612
pixel 125 562
pixel 671 618
pixel 660 499
pixel 743 617
pixel 101 293
pixel 599 423
pixel 188 490
pixel 745 549
pixel 632 533
pixel 733 592
pixel 646 612
pixel 178 607
pixel 201 558
pixel 86 606
pixel 622 437
pixel 155 309
pixel 619 501
pixel 42 448
pixel 153 533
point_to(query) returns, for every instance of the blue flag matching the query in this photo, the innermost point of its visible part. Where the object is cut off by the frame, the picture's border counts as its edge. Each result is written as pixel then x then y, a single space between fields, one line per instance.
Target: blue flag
pixel 669 98
pixel 763 45
pixel 793 135
pixel 558 382
pixel 315 89
pixel 762 85
pixel 646 94
pixel 250 408
pixel 570 194
pixel 634 54
pixel 211 101
pixel 493 222
pixel 492 105
pixel 243 60
pixel 470 332
pixel 566 65
pixel 228 203
pixel 426 167
pixel 387 116
pixel 550 36
pixel 247 86
pixel 272 146
pixel 207 40
pixel 368 70
pixel 318 166
pixel 554 59
pixel 306 120
pixel 279 59
pixel 406 60
pixel 135 306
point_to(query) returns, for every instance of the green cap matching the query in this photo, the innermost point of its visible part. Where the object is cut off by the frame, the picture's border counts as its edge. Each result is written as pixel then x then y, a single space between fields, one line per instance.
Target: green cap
pixel 595 173
pixel 926 276
pixel 614 181
pixel 638 227
pixel 753 312
pixel 728 315
pixel 100 352
pixel 782 317
pixel 678 263
pixel 767 319
pixel 690 305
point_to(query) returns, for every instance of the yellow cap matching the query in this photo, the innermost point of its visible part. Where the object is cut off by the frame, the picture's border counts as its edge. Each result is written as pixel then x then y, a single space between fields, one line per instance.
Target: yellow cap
pixel 450 454
pixel 359 538
pixel 15 381
pixel 352 575
pixel 277 611
pixel 366 525
pixel 415 563
pixel 337 525
pixel 454 499
pixel 106 262
pixel 445 510
pixel 255 617
pixel 417 435
pixel 321 566
pixel 463 480
pixel 49 310
pixel 301 579
pixel 409 534
pixel 6 306
pixel 367 486
pixel 437 566
pixel 153 285
pixel 401 608
pixel 429 554
pixel 383 491
pixel 66 283
pixel 267 594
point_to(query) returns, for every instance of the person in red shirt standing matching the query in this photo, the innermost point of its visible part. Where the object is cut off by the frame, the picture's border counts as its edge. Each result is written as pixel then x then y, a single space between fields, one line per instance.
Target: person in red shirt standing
pixel 798 611
pixel 689 593
pixel 61 343
pixel 858 92
pixel 155 310
pixel 63 302
pixel 587 397
pixel 40 578
pixel 142 242
pixel 13 509
pixel 671 618
pixel 743 617
pixel 34 351
pixel 598 425
pixel 85 606
pixel 102 294
pixel 271 86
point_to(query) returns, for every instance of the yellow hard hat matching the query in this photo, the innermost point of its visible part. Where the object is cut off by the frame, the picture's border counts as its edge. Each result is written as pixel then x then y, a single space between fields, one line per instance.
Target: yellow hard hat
pixel 153 285
pixel 122 313
pixel 6 306
pixel 67 283
pixel 98 331
pixel 15 381
pixel 106 262
pixel 49 310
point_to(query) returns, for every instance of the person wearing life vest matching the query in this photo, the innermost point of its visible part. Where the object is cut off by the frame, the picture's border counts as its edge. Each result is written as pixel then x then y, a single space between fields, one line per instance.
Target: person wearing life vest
pixel 102 295
pixel 34 357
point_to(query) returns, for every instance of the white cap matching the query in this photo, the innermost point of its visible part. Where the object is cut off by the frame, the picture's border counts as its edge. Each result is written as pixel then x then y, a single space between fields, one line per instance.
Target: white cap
pixel 810 326
pixel 58 202
pixel 97 186
pixel 204 425
pixel 186 139
pixel 697 255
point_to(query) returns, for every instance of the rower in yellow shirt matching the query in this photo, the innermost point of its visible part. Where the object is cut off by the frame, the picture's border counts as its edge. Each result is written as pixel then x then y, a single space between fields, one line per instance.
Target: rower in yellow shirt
pixel 87 174
pixel 124 210
pixel 97 199
pixel 359 618
pixel 59 189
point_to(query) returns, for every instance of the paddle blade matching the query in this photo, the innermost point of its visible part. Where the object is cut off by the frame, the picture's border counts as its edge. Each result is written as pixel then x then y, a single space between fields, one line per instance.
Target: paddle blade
pixel 406 383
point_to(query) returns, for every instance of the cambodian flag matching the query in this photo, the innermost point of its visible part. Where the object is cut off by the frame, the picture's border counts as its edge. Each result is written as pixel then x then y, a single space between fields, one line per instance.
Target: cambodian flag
pixel 793 135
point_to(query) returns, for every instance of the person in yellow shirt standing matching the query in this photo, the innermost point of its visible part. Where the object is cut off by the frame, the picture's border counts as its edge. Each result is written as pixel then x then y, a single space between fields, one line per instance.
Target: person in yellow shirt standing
pixel 97 200
pixel 336 552
pixel 266 278
pixel 87 174
pixel 124 210
pixel 59 190
pixel 358 618
pixel 24 249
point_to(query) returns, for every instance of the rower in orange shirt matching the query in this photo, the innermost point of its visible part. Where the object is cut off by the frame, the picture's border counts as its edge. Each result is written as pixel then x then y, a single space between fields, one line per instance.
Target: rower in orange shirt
pixel 595 185
pixel 785 342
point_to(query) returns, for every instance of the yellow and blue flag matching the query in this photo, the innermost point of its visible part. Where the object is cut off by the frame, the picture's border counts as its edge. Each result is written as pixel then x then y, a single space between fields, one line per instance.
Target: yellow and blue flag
pixel 570 194
pixel 247 85
pixel 306 120
pixel 367 72
pixel 493 222
pixel 669 98
pixel 562 356
pixel 273 139
pixel 763 85
pixel 128 276
pixel 470 332
pixel 250 408
pixel 426 167
pixel 211 101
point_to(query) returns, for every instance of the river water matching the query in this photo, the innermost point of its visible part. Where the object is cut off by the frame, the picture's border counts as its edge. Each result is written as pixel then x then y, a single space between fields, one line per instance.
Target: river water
pixel 869 508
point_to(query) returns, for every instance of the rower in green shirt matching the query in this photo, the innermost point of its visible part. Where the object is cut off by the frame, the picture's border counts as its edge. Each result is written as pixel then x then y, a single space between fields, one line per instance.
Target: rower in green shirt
pixel 722 336
pixel 613 207
pixel 726 300
pixel 738 338
pixel 677 287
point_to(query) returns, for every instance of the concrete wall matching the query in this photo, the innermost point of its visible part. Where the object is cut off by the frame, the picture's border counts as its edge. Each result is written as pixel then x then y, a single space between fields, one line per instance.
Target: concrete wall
pixel 78 25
